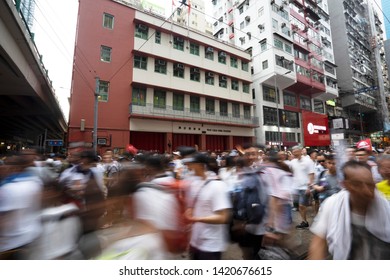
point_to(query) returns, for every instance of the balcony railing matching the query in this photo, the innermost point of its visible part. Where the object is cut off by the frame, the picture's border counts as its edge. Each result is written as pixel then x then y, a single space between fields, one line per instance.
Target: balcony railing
pixel 187 115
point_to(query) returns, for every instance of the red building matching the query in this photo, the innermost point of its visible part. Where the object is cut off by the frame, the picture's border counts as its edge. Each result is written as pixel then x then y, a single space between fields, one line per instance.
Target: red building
pixel 160 85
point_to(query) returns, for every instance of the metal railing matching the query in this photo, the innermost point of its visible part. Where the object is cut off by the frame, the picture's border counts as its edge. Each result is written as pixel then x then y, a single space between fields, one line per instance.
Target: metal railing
pixel 187 114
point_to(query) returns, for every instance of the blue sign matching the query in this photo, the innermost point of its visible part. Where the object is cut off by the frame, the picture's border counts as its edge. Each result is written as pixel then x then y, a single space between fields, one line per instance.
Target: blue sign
pixel 56 143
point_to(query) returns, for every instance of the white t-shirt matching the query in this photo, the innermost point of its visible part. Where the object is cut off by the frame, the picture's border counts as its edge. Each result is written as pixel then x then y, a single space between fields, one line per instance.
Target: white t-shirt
pixel 301 169
pixel 20 201
pixel 158 207
pixel 209 198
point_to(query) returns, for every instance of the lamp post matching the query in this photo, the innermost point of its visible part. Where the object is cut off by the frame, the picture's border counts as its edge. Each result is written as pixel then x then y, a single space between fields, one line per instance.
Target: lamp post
pixel 277 110
pixel 95 117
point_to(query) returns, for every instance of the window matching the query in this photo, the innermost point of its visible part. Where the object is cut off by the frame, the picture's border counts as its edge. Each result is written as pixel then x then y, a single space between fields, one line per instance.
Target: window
pixel 263 45
pixel 245 66
pixel 247 112
pixel 178 43
pixel 223 81
pixel 305 103
pixel 105 54
pixel 141 31
pixel 269 94
pixel 160 66
pixel 285 63
pixel 209 53
pixel 235 85
pixel 222 57
pixel 290 99
pixel 278 43
pixel 178 70
pixel 245 87
pixel 265 64
pixel 157 38
pixel 194 49
pixel 288 48
pixel 236 110
pixel 210 106
pixel 159 100
pixel 223 108
pixel 194 104
pixel 270 116
pixel 139 96
pixel 178 102
pixel 272 136
pixel 233 62
pixel 209 78
pixel 275 24
pixel 140 62
pixel 288 119
pixel 319 106
pixel 103 91
pixel 108 21
pixel 194 74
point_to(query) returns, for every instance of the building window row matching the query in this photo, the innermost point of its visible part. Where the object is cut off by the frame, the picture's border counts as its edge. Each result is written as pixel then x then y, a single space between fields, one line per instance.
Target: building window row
pixel 160 66
pixel 286 118
pixel 160 102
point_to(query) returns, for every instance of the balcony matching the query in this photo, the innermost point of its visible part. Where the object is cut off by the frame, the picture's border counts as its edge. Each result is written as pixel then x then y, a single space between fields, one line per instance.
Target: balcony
pixel 359 102
pixel 168 113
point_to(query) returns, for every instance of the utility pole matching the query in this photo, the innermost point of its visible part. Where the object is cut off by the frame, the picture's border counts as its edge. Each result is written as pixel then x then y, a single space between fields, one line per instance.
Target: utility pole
pixel 277 109
pixel 95 117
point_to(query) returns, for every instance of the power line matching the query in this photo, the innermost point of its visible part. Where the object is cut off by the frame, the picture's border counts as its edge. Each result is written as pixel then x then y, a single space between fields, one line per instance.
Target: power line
pixel 124 64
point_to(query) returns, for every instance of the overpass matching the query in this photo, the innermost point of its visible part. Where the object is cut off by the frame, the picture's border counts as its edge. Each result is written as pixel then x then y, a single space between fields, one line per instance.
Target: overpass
pixel 30 113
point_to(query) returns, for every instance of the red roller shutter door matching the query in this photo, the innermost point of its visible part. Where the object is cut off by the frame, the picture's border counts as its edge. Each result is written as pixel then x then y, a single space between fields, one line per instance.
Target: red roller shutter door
pixel 216 142
pixel 185 140
pixel 148 141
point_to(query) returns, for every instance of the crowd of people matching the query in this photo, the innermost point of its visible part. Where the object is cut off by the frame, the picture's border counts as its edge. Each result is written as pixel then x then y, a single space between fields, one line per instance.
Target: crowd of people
pixel 182 205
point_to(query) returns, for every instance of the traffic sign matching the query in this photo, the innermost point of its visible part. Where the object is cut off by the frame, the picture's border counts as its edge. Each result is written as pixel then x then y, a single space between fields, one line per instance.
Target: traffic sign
pixel 56 143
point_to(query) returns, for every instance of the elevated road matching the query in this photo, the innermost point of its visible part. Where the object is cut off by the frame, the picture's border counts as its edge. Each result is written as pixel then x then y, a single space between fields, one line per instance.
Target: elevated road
pixel 29 110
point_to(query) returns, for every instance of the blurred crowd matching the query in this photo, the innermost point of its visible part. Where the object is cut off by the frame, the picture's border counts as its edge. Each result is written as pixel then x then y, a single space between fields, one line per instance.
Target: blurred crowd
pixel 179 206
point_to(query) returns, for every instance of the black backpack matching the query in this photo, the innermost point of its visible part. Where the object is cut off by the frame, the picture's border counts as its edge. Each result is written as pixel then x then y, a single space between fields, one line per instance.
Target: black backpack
pixel 250 198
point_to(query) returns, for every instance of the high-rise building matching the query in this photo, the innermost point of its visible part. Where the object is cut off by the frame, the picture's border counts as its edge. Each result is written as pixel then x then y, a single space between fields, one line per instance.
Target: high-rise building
pixel 27 8
pixel 293 67
pixel 357 31
pixel 386 15
pixel 159 84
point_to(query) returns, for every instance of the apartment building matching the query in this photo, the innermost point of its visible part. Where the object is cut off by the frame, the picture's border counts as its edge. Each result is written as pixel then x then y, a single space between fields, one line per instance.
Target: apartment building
pixel 160 84
pixel 293 69
pixel 358 37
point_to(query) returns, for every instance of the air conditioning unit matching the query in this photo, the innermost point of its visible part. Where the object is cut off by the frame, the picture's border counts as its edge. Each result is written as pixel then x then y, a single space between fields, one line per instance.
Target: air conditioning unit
pixel 195 70
pixel 305 40
pixel 161 62
pixel 222 54
pixel 283 25
pixel 261 26
pixel 180 66
pixel 209 49
pixel 210 75
pixel 247 18
pixel 223 78
pixel 281 58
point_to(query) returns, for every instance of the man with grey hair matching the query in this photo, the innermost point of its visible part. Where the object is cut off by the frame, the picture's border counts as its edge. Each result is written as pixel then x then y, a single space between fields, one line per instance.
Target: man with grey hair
pixel 303 171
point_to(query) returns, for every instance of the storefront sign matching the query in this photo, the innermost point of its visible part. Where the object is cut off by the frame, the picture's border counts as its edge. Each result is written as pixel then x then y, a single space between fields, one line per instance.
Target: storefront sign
pixel 316 129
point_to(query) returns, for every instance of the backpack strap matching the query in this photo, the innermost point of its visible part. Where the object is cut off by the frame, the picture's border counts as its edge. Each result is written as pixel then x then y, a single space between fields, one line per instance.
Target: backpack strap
pixel 200 190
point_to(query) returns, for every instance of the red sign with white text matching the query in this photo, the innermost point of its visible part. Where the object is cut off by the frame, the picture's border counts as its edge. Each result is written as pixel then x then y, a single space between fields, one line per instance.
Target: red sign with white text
pixel 315 129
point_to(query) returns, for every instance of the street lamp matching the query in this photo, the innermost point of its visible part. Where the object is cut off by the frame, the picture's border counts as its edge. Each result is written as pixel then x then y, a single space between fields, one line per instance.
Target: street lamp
pixel 277 110
pixel 95 117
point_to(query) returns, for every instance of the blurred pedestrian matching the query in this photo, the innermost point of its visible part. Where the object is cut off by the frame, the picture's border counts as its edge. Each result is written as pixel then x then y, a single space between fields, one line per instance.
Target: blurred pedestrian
pixel 20 206
pixel 354 223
